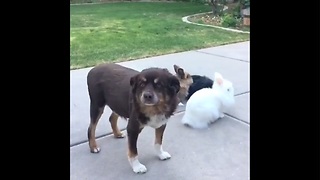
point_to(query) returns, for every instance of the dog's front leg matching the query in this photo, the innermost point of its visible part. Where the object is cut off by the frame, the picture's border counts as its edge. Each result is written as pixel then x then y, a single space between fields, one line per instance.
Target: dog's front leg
pixel 133 133
pixel 163 155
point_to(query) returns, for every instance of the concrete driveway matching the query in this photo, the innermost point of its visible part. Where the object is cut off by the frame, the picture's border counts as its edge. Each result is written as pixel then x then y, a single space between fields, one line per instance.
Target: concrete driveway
pixel 220 152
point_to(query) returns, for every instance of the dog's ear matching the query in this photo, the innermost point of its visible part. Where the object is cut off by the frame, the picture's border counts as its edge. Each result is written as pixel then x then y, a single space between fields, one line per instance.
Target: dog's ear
pixel 133 80
pixel 179 71
pixel 174 84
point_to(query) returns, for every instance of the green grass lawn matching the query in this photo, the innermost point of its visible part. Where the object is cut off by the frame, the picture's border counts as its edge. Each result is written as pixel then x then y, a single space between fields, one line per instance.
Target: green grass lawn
pixel 115 32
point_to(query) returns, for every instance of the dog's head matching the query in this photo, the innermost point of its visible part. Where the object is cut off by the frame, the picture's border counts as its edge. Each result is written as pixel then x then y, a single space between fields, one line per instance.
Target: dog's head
pixel 154 86
pixel 185 80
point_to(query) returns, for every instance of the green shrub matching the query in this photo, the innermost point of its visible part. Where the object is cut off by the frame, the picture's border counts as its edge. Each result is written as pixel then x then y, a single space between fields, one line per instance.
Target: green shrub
pixel 228 20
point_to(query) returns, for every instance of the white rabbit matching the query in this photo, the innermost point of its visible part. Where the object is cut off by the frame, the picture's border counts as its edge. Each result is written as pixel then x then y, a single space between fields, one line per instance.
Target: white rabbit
pixel 209 104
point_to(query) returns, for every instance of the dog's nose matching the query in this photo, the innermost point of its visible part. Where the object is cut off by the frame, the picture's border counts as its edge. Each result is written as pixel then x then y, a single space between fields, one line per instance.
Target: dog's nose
pixel 147 96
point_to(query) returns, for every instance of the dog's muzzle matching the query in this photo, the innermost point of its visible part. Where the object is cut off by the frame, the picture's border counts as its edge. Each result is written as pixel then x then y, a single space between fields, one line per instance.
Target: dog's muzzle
pixel 149 98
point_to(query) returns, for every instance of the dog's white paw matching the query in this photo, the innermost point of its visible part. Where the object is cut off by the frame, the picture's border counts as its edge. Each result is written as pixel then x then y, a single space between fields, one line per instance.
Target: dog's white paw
pixel 164 155
pixel 122 135
pixel 139 168
pixel 95 150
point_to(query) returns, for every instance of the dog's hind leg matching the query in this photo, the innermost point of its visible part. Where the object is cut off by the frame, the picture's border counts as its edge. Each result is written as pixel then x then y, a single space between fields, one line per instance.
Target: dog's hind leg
pixel 95 114
pixel 113 119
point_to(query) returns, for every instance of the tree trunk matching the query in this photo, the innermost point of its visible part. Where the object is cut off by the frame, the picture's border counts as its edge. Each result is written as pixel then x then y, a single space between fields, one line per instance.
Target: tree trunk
pixel 214 7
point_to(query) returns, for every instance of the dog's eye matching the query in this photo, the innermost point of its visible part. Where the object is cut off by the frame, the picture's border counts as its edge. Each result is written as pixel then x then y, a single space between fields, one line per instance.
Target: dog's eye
pixel 158 85
pixel 142 84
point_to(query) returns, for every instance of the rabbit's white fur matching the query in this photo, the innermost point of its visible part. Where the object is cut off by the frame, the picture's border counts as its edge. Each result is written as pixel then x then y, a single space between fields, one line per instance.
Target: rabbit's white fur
pixel 208 104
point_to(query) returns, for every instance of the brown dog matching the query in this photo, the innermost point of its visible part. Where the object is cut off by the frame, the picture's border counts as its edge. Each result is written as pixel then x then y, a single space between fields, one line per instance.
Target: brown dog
pixel 147 98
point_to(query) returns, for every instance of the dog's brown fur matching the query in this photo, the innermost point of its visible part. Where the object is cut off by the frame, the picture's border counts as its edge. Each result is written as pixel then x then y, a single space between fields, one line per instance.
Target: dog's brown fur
pixel 148 97
pixel 185 80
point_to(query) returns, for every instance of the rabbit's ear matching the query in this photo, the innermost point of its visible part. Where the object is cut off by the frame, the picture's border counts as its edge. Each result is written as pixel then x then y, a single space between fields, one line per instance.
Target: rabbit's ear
pixel 218 78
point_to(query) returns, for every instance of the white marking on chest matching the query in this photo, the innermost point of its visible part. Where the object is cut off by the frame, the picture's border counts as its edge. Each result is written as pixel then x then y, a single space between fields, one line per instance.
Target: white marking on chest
pixel 157 121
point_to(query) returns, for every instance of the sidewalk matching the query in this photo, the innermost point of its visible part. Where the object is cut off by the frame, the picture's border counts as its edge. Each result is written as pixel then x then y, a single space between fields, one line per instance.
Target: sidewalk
pixel 221 152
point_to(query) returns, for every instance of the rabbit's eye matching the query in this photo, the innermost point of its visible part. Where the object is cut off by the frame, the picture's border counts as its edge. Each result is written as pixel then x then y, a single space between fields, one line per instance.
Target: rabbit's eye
pixel 228 89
